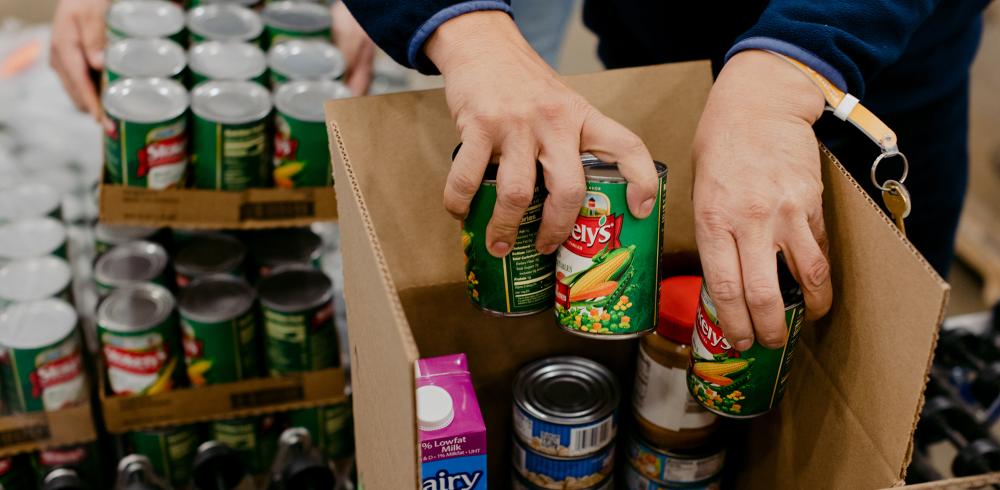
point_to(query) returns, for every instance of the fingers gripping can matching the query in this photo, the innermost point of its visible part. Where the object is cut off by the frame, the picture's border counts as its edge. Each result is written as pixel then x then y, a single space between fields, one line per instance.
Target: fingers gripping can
pixel 607 271
pixel 742 384
pixel 171 451
pixel 219 330
pixel 255 439
pixel 301 148
pixel 231 146
pixel 298 321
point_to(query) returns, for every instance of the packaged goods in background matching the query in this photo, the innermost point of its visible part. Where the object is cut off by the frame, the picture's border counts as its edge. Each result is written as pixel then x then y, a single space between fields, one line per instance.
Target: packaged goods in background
pixel 34 279
pixel 565 406
pixel 227 21
pixel 255 439
pixel 676 467
pixel 608 270
pixel 137 469
pixel 208 254
pixel 295 20
pixel 130 263
pixel 301 148
pixel 331 428
pixel 32 237
pixel 84 459
pixel 555 473
pixel 227 60
pixel 231 138
pixel 284 247
pixel 107 236
pixel 305 59
pixel 523 281
pixel 15 473
pixel 145 19
pixel 29 200
pixel 144 58
pixel 216 465
pixel 137 330
pixel 170 451
pixel 219 330
pixel 452 431
pixel 145 132
pixel 41 361
pixel 297 306
pixel 299 463
pixel 749 383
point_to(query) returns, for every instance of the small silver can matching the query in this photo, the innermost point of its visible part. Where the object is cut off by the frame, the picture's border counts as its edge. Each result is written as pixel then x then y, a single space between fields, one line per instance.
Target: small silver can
pixel 145 19
pixel 227 60
pixel 224 22
pixel 144 58
pixel 305 59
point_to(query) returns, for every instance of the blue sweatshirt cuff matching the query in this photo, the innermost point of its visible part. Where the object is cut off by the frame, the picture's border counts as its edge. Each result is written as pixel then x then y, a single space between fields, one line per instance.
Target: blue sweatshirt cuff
pixel 804 56
pixel 415 51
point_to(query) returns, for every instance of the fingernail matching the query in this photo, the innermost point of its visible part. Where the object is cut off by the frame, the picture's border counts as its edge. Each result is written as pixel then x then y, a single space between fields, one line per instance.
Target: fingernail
pixel 744 344
pixel 97 58
pixel 647 207
pixel 500 248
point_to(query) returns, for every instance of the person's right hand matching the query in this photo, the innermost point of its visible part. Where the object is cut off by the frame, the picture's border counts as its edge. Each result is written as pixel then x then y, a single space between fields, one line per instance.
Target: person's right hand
pixel 77 46
pixel 506 101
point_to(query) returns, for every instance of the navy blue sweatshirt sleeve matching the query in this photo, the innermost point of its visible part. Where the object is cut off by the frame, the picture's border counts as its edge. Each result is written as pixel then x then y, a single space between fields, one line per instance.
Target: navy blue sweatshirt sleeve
pixel 401 27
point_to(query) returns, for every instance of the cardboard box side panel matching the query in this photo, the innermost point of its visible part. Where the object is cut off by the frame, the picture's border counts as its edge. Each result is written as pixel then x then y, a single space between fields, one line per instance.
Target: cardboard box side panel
pixel 979 481
pixel 30 431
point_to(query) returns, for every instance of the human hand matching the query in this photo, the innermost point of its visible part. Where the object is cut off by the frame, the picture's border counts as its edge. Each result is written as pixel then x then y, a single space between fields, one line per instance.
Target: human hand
pixel 757 191
pixel 358 48
pixel 506 101
pixel 78 46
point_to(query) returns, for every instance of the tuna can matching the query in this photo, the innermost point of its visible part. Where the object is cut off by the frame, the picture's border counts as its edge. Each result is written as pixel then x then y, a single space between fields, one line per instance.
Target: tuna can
pixel 83 459
pixel 305 59
pixel 565 406
pixel 742 384
pixel 231 147
pixel 608 270
pixel 137 331
pixel 144 58
pixel 145 132
pixel 554 473
pixel 30 201
pixel 295 20
pixel 229 60
pixel 675 468
pixel 15 473
pixel 297 306
pixel 130 263
pixel 107 237
pixel 209 253
pixel 171 451
pixel 35 278
pixel 634 480
pixel 331 428
pixel 277 248
pixel 301 147
pixel 40 357
pixel 145 19
pixel 32 237
pixel 255 439
pixel 219 330
pixel 224 22
pixel 519 482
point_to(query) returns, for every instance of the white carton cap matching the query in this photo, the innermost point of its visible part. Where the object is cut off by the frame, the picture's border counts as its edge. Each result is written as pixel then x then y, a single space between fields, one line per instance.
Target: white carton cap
pixel 435 409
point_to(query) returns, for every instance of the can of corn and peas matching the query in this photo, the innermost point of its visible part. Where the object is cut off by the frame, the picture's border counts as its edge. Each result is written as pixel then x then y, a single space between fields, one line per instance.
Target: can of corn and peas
pixel 301 148
pixel 297 305
pixel 305 59
pixel 285 247
pixel 107 237
pixel 219 330
pixel 171 451
pixel 231 144
pixel 145 19
pixel 32 237
pixel 145 132
pixel 30 200
pixel 608 270
pixel 35 278
pixel 295 20
pixel 227 60
pixel 208 254
pixel 331 428
pixel 144 58
pixel 255 439
pixel 224 22
pixel 130 263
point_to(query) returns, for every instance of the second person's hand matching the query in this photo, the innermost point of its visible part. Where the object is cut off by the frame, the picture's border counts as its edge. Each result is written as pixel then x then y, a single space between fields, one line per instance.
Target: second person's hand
pixel 77 47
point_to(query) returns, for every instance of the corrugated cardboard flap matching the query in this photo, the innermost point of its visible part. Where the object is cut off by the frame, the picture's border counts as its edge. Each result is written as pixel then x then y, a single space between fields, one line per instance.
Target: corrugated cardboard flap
pixel 26 432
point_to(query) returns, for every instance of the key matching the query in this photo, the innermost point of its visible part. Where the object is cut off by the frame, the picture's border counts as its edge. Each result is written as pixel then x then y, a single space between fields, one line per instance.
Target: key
pixel 897 201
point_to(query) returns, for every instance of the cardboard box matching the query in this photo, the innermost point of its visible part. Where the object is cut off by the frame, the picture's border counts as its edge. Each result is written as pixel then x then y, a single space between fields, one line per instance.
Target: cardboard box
pixel 857 388
pixel 26 432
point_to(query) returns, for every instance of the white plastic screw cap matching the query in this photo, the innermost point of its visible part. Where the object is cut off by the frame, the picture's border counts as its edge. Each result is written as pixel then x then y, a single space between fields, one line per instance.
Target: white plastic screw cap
pixel 435 408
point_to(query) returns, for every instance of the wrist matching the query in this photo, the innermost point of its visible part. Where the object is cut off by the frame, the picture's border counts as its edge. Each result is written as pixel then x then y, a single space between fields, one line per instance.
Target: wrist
pixel 778 84
pixel 470 37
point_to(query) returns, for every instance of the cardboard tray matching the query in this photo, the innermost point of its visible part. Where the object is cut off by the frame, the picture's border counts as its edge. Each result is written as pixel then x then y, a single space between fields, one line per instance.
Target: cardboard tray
pixel 26 432
pixel 851 406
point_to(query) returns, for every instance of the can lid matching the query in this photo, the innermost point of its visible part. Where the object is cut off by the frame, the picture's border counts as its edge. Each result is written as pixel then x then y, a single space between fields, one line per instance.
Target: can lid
pixel 296 16
pixel 227 60
pixel 679 297
pixel 135 307
pixel 116 234
pixel 295 289
pixel 32 237
pixel 435 408
pixel 145 58
pixel 245 3
pixel 208 253
pixel 34 278
pixel 231 101
pixel 306 59
pixel 145 18
pixel 285 246
pixel 567 390
pixel 131 262
pixel 145 100
pixel 28 200
pixel 598 170
pixel 304 99
pixel 224 22
pixel 216 298
pixel 35 324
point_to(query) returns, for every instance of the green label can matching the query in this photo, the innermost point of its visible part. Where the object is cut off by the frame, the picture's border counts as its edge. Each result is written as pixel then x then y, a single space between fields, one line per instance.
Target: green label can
pixel 608 270
pixel 83 459
pixel 231 144
pixel 224 21
pixel 285 247
pixel 298 321
pixel 227 60
pixel 15 474
pixel 305 59
pixel 742 384
pixel 130 263
pixel 171 451
pixel 144 58
pixel 145 147
pixel 521 283
pixel 301 147
pixel 107 237
pixel 33 279
pixel 206 254
pixel 331 428
pixel 29 200
pixel 295 20
pixel 254 438
pixel 32 237
pixel 145 19
pixel 219 330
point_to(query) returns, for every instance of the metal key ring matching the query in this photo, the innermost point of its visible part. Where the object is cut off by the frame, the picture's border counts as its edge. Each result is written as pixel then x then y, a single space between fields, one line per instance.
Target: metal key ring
pixel 878 160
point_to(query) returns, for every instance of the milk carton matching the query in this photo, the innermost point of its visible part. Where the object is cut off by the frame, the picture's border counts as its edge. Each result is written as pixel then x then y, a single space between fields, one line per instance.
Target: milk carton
pixel 452 432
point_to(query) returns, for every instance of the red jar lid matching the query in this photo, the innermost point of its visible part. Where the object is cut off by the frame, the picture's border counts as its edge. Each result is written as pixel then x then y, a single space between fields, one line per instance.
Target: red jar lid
pixel 679 297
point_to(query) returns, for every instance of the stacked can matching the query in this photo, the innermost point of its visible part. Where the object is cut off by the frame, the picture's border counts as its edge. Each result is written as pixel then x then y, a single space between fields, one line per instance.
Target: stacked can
pixel 231 145
pixel 207 254
pixel 107 237
pixel 219 330
pixel 305 59
pixel 228 22
pixel 83 460
pixel 565 423
pixel 295 20
pixel 255 439
pixel 130 263
pixel 651 468
pixel 32 237
pixel 144 58
pixel 170 451
pixel 301 151
pixel 331 428
pixel 227 60
pixel 145 19
pixel 29 200
pixel 297 305
pixel 285 247
pixel 15 473
pixel 35 278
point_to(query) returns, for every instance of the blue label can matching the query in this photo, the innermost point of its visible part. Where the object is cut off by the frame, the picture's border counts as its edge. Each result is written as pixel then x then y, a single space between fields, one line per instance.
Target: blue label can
pixel 635 480
pixel 548 472
pixel 675 467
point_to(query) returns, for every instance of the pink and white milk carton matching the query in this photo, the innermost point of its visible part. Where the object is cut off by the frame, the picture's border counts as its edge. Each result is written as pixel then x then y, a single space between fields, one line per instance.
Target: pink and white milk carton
pixel 452 432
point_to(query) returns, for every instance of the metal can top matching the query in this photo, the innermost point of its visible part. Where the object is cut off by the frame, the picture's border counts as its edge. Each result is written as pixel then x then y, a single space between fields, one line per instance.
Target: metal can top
pixel 231 101
pixel 306 59
pixel 145 18
pixel 287 246
pixel 34 278
pixel 145 100
pixel 566 390
pixel 131 262
pixel 116 234
pixel 597 170
pixel 245 3
pixel 303 99
pixel 135 308
pixel 216 298
pixel 224 22
pixel 227 60
pixel 31 237
pixel 295 289
pixel 209 253
pixel 28 200
pixel 296 16
pixel 36 324
pixel 145 58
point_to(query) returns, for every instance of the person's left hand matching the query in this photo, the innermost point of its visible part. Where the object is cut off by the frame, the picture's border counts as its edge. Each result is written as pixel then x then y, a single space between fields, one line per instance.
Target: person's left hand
pixel 358 48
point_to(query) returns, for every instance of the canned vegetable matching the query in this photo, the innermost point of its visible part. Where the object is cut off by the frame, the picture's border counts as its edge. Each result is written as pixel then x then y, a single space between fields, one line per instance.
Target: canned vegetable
pixel 144 58
pixel 331 428
pixel 245 3
pixel 170 451
pixel 29 200
pixel 554 473
pixel 297 306
pixel 224 22
pixel 145 19
pixel 305 59
pixel 675 468
pixel 229 60
pixel 295 20
pixel 301 148
pixel 634 480
pixel 231 147
pixel 130 263
pixel 219 330
pixel 32 237
pixel 107 236
pixel 519 482
pixel 83 459
pixel 35 278
pixel 277 248
pixel 209 253
pixel 255 439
